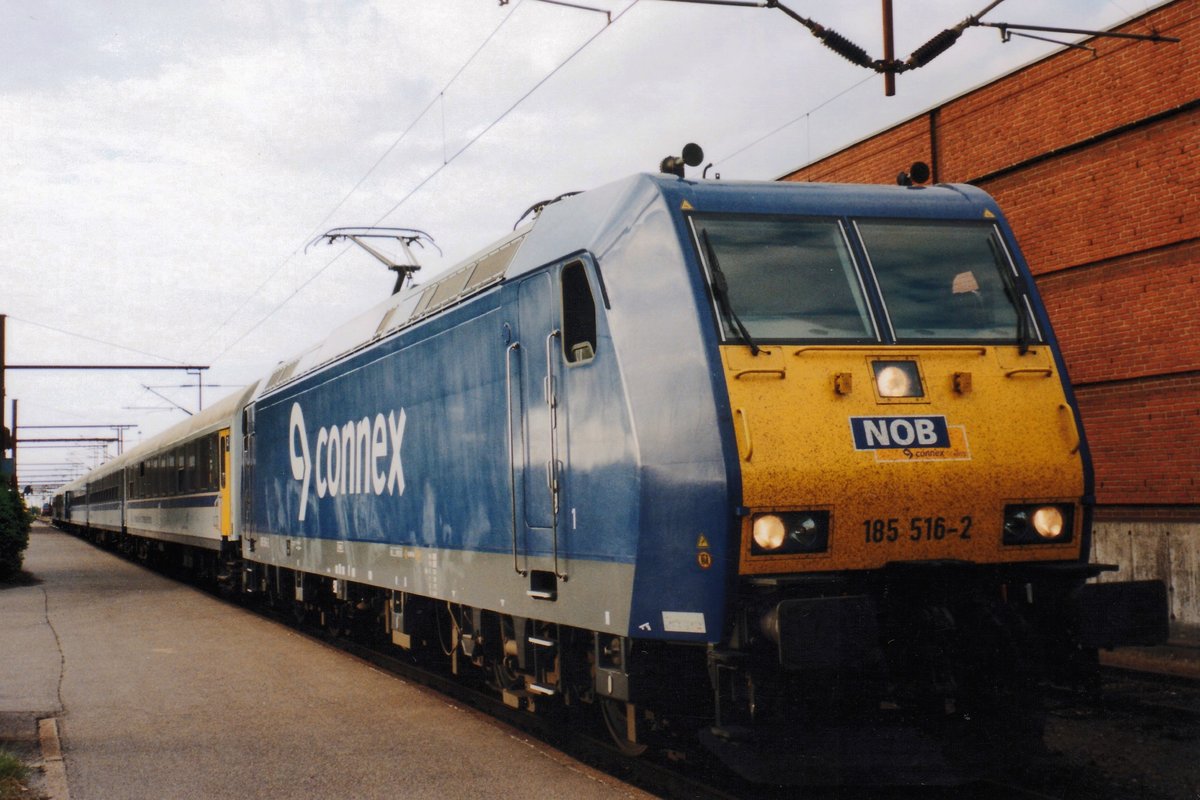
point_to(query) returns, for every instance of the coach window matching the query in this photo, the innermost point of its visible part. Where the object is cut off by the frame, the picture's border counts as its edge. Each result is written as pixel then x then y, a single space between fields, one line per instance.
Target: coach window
pixel 193 473
pixel 202 464
pixel 206 463
pixel 185 475
pixel 578 314
pixel 214 461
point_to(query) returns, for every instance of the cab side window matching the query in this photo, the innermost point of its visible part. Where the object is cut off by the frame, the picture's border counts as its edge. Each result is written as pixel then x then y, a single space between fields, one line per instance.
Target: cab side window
pixel 578 315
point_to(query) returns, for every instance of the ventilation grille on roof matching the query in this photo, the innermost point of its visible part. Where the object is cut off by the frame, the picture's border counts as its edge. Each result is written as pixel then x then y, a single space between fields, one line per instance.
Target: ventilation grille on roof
pixel 282 374
pixel 459 284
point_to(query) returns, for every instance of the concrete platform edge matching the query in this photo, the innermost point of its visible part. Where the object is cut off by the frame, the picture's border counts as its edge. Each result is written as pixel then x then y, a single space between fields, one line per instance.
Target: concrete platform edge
pixel 54 769
pixel 1180 658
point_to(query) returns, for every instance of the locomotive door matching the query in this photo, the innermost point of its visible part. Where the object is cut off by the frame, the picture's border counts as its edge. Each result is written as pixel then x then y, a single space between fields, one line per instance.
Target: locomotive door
pixel 538 417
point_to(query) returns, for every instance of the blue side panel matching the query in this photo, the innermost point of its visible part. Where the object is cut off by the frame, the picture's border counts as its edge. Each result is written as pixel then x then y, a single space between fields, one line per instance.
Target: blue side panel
pixel 685 540
pixel 420 446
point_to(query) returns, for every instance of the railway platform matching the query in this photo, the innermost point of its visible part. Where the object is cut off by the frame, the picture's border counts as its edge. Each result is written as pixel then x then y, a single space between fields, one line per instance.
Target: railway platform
pixel 153 689
pixel 1180 657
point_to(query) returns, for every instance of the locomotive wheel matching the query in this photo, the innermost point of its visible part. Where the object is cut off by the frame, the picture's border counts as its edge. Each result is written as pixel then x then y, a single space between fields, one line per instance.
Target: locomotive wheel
pixel 616 720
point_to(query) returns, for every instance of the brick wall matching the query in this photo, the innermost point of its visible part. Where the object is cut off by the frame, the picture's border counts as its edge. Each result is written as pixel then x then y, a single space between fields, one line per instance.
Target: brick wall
pixel 1143 437
pixel 1132 316
pixel 1095 159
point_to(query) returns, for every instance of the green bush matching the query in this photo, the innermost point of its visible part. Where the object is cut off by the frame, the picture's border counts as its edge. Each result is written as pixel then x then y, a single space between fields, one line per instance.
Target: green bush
pixel 14 532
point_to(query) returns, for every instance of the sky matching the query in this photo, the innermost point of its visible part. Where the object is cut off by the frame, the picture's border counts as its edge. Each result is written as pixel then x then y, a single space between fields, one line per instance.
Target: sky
pixel 165 165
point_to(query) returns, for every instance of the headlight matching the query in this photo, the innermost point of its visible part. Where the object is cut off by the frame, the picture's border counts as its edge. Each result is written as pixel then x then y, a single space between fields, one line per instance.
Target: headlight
pixel 1038 524
pixel 897 379
pixel 769 532
pixel 790 533
pixel 1048 522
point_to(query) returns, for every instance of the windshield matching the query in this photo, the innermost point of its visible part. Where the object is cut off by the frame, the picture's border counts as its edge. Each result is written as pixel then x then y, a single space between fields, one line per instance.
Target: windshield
pixel 786 279
pixel 792 279
pixel 945 281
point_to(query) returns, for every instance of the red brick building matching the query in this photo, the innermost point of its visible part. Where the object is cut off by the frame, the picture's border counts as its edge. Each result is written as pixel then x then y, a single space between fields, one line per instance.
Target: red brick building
pixel 1095 159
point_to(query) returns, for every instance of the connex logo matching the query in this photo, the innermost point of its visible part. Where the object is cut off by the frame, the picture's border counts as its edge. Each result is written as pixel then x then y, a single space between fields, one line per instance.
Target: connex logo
pixel 349 458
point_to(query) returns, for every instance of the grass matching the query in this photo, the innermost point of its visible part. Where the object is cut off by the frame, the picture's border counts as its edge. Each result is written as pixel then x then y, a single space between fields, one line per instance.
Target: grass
pixel 13 772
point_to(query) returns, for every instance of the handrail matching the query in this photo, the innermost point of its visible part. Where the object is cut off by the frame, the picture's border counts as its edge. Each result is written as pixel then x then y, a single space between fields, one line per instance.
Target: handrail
pixel 934 348
pixel 1074 428
pixel 746 432
pixel 1043 371
pixel 512 467
pixel 552 467
pixel 781 373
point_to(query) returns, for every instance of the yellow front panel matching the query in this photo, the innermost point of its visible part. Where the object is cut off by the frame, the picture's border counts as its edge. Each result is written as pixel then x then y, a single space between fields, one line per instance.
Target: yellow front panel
pixel 1012 440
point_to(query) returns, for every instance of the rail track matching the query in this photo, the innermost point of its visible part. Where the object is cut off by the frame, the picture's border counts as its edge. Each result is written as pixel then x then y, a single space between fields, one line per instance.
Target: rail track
pixel 679 774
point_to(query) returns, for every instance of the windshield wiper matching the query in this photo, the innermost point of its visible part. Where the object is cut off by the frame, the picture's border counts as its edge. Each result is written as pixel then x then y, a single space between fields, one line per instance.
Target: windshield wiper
pixel 1015 296
pixel 720 289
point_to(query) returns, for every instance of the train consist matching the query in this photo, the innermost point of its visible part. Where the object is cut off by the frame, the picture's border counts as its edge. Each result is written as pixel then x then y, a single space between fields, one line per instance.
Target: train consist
pixel 793 468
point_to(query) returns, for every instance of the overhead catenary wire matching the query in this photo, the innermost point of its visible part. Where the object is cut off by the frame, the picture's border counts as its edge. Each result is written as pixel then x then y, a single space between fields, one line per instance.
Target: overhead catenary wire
pixel 793 121
pixel 425 181
pixel 316 229
pixel 508 111
pixel 94 339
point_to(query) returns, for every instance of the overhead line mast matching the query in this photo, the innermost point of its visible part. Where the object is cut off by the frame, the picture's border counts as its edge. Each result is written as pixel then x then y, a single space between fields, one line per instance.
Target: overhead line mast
pixel 8 440
pixel 889 66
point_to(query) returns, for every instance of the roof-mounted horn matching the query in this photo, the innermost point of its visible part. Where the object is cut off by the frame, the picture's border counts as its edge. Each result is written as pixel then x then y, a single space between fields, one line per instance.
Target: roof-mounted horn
pixel 693 154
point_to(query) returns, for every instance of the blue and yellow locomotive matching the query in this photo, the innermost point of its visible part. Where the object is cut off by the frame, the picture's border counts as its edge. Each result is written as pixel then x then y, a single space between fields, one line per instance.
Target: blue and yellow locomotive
pixel 760 460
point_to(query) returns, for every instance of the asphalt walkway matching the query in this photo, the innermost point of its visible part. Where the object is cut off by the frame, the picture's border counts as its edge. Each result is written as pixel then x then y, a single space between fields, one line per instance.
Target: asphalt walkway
pixel 158 690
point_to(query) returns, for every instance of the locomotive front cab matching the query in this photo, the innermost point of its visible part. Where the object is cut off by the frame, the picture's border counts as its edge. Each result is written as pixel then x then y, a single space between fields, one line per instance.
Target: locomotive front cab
pixel 892 393
pixel 915 486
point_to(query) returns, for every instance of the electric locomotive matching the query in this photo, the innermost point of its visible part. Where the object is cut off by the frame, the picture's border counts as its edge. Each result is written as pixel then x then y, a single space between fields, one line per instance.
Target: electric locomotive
pixel 772 462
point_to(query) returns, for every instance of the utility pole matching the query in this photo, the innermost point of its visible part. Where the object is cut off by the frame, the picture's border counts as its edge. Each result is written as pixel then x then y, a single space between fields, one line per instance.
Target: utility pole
pixel 3 403
pixel 889 50
pixel 16 486
pixel 3 444
pixel 10 441
pixel 199 388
